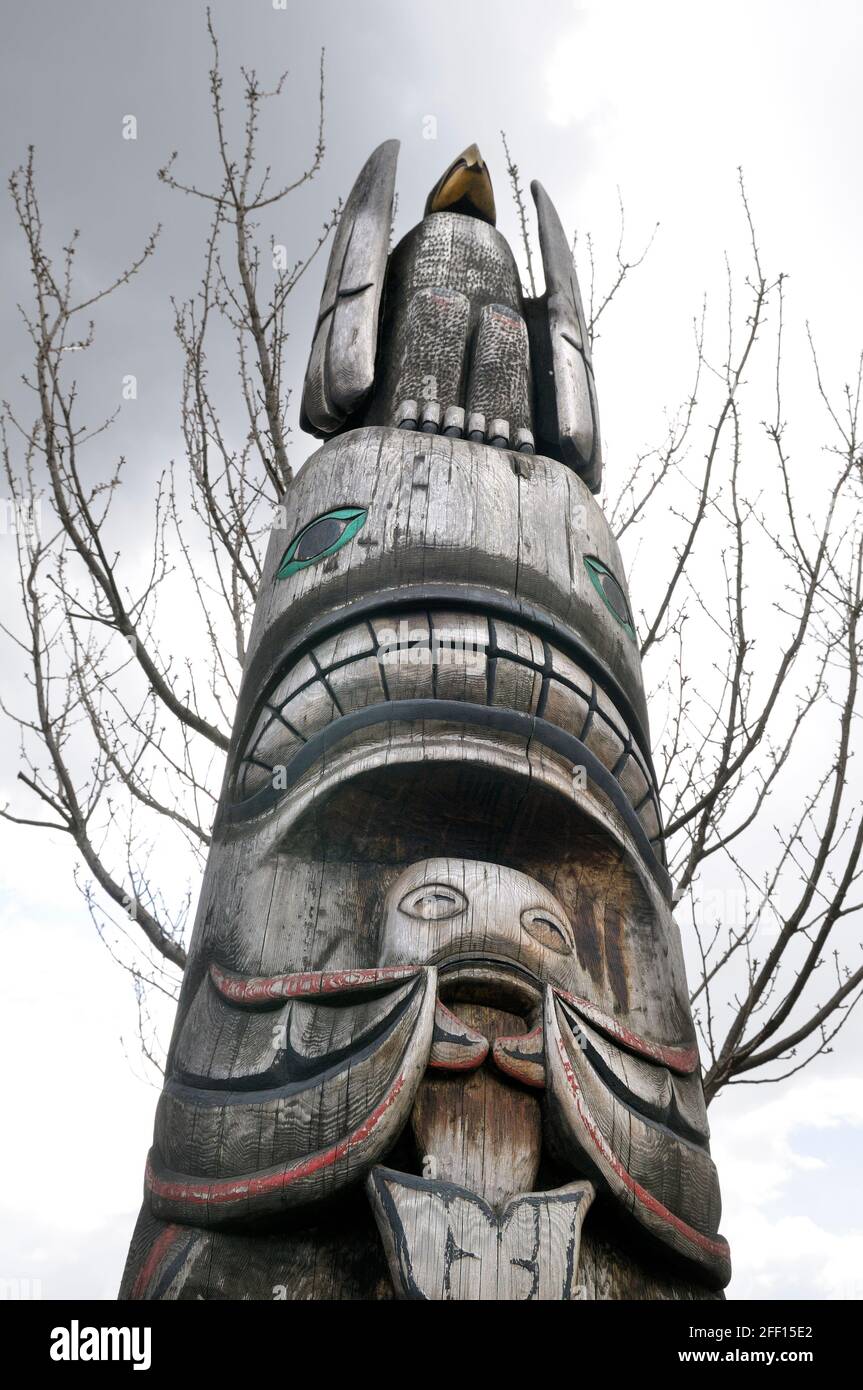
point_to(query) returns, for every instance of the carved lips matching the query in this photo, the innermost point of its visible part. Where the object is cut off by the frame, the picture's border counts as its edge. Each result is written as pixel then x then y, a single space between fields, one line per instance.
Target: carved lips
pixel 447 661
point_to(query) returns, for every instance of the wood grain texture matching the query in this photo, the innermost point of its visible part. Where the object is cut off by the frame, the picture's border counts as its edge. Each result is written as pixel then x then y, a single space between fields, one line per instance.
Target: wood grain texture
pixel 341 366
pixel 445 1244
pixel 434 1038
pixel 478 1131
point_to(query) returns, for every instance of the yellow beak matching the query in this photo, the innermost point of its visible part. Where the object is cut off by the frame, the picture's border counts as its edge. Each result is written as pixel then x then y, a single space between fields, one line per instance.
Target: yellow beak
pixel 465 187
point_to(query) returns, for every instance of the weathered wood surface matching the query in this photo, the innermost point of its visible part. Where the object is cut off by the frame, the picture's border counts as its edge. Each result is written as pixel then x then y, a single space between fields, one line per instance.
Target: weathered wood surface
pixel 444 1243
pixel 435 996
pixel 341 368
pixel 340 1255
pixel 477 1131
pixel 576 413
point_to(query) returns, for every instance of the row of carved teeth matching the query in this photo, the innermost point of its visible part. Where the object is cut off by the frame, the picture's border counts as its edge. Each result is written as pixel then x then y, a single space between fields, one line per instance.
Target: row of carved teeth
pixel 449 656
pixel 429 417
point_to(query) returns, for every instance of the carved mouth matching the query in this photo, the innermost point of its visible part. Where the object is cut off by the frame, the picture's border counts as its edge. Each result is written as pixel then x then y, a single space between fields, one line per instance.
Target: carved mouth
pixel 491 980
pixel 477 667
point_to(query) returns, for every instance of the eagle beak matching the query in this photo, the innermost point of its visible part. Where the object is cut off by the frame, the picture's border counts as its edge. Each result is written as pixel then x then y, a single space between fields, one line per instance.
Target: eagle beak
pixel 465 187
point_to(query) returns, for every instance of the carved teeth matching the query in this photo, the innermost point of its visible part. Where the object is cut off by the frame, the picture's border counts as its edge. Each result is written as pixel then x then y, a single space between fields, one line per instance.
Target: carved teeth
pixel 444 655
pixel 453 422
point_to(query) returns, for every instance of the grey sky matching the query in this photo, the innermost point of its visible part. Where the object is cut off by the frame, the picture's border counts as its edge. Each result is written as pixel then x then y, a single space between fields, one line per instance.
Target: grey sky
pixel 663 100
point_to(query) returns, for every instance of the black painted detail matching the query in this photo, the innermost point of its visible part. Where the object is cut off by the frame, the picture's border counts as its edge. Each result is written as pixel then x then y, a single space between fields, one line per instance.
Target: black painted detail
pixel 459 712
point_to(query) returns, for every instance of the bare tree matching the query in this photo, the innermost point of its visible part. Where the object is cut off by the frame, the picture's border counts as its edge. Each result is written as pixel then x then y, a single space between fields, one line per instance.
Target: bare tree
pixel 751 689
pixel 123 742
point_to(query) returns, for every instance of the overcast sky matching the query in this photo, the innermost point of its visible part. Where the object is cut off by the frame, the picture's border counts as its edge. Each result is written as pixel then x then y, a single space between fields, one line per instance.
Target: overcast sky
pixel 661 100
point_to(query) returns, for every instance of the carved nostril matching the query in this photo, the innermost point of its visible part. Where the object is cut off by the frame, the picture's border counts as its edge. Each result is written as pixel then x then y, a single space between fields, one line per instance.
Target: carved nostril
pixel 547 930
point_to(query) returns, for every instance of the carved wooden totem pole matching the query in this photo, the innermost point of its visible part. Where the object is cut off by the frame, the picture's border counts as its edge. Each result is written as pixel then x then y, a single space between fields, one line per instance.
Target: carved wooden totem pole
pixel 434 1040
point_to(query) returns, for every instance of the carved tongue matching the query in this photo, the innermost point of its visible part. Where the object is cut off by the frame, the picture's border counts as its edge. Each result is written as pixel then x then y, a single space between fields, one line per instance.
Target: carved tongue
pixel 475 1128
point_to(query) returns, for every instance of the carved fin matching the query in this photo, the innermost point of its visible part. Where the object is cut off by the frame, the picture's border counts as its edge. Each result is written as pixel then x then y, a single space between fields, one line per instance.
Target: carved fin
pixel 321 1133
pixel 341 366
pixel 572 416
pixel 678 1057
pixel 669 1186
pixel 267 990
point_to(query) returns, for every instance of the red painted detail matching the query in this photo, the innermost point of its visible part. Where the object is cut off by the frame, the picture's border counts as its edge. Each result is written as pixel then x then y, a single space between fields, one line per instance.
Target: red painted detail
pixel 158 1250
pixel 680 1059
pixel 263 989
pixel 469 1046
pixel 470 1063
pixel 523 1069
pixel 719 1247
pixel 447 1019
pixel 238 1189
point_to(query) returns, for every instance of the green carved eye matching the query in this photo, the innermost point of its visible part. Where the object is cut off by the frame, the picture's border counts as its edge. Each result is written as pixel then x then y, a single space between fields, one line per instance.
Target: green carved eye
pixel 610 592
pixel 323 536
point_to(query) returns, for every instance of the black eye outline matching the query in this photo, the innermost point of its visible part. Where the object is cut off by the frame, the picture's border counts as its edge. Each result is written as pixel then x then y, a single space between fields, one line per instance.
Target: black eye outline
pixel 353 517
pixel 443 894
pixel 554 937
pixel 598 571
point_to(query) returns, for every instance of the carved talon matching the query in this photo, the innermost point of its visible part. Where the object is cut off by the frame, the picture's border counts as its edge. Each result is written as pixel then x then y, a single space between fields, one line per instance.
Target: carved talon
pixel 498 434
pixel 476 427
pixel 430 417
pixel 406 415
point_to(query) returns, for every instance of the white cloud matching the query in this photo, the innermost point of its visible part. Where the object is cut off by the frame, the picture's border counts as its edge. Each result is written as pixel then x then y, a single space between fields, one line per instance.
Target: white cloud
pixel 794 1257
pixel 778 1249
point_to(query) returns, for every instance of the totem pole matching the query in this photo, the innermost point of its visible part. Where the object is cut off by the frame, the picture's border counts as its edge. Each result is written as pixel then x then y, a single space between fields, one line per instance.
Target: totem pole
pixel 434 1039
